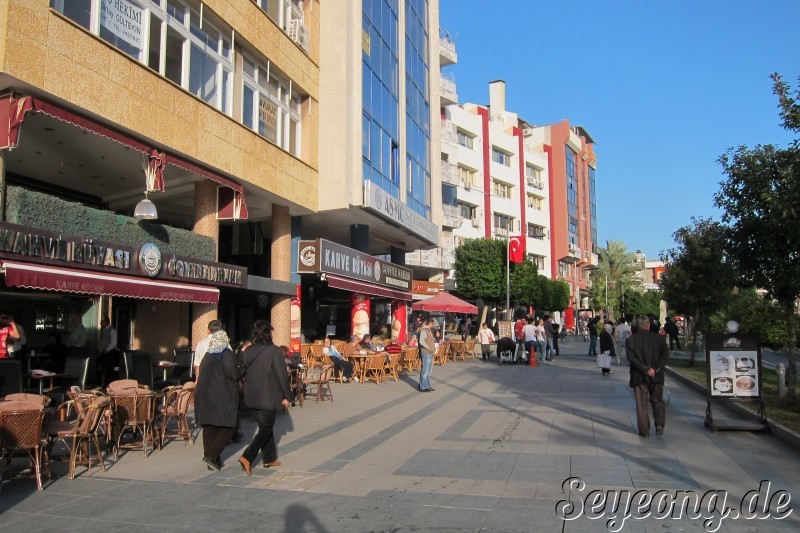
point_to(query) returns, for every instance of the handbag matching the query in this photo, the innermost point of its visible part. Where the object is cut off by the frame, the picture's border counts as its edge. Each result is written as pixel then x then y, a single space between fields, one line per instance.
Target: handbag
pixel 604 360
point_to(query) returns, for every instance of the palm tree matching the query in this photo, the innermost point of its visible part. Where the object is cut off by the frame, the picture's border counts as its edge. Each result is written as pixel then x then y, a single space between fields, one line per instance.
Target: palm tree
pixel 617 270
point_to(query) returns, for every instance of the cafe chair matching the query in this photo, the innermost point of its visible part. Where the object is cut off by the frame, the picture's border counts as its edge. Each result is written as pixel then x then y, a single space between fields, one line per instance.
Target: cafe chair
pixel 10 377
pixel 442 352
pixel 322 384
pixel 184 369
pixel 21 431
pixel 412 361
pixel 121 385
pixel 83 433
pixel 390 368
pixel 42 401
pixel 374 369
pixel 134 412
pixel 176 404
pixel 139 366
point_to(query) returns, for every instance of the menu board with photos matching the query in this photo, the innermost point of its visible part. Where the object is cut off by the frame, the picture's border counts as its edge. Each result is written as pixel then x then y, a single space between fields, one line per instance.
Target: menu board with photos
pixel 505 328
pixel 733 365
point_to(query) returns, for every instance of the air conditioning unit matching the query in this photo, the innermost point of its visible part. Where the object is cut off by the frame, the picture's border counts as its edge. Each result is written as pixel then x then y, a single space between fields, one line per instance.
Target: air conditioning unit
pixel 527 132
pixel 573 247
pixel 476 222
pixel 299 33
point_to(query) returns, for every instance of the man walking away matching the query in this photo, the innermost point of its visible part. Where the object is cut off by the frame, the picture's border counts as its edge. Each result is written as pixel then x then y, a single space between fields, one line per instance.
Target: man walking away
pixel 647 355
pixel 549 336
pixel 671 329
pixel 427 348
pixel 592 326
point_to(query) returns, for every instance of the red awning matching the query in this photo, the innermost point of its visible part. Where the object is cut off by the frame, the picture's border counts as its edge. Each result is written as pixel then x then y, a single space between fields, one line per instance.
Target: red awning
pixel 51 278
pixel 365 288
pixel 445 302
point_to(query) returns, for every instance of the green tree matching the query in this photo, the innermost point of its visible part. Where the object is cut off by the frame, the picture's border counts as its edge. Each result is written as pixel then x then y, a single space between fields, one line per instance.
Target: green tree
pixel 481 269
pixel 617 270
pixel 637 302
pixel 756 315
pixel 760 198
pixel 698 279
pixel 526 287
pixel 559 290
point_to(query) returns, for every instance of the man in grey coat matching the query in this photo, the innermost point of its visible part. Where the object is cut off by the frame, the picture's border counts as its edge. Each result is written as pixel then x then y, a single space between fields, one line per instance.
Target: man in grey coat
pixel 647 355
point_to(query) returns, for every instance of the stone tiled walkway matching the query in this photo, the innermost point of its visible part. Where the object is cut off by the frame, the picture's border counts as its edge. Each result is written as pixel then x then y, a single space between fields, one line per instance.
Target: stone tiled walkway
pixel 488 451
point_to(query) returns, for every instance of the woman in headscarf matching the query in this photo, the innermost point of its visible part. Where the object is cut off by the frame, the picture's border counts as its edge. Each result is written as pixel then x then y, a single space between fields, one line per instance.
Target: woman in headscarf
pixel 266 389
pixel 217 398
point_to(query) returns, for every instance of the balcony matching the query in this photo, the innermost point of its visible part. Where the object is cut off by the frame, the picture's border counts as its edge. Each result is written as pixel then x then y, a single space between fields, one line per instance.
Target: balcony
pixel 448 93
pixel 451 216
pixel 450 174
pixel 535 182
pixel 449 132
pixel 447 52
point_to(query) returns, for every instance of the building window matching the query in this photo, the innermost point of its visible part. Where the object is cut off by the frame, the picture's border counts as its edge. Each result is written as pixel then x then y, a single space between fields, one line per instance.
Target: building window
pixel 501 189
pixel 593 204
pixel 535 202
pixel 563 270
pixel 532 172
pixel 465 139
pixel 417 87
pixel 500 156
pixel 537 260
pixel 469 212
pixel 281 11
pixel 503 225
pixel 268 105
pixel 467 176
pixel 572 195
pixel 536 232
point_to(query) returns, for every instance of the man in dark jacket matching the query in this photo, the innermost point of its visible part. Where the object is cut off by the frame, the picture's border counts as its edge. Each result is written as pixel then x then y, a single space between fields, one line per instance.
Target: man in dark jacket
pixel 647 355
pixel 592 327
pixel 671 329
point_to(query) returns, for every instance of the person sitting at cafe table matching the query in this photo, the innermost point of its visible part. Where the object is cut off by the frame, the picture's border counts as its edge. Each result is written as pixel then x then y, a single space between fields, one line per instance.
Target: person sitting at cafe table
pixel 364 343
pixel 8 332
pixel 376 344
pixel 340 366
pixel 393 347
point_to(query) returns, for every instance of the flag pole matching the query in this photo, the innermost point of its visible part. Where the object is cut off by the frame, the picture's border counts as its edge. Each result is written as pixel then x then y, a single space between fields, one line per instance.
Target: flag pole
pixel 508 278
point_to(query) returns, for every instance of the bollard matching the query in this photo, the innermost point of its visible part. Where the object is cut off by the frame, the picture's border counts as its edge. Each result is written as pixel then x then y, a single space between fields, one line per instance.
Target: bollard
pixel 781 380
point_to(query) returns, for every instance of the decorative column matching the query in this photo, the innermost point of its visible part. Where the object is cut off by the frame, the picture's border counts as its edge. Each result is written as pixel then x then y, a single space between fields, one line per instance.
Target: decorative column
pixel 205 223
pixel 281 269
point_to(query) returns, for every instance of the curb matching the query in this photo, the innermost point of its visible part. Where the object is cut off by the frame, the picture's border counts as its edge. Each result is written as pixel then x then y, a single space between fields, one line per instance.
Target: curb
pixel 780 431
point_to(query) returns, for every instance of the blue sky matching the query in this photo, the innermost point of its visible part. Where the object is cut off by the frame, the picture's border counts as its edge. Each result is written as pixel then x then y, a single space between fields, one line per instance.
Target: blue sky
pixel 664 88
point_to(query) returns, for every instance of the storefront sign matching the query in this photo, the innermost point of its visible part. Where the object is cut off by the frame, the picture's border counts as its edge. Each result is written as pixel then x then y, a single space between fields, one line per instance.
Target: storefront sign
pixel 426 287
pixel 22 243
pixel 322 255
pixel 378 200
pixel 733 367
pixel 123 19
pixel 360 315
pixel 294 323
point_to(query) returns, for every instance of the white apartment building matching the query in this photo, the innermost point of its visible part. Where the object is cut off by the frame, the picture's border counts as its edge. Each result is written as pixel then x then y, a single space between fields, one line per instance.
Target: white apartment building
pixel 494 178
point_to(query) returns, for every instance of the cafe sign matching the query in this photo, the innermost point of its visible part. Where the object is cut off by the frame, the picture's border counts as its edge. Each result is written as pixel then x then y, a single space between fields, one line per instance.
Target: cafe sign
pixel 429 288
pixel 323 256
pixel 379 201
pixel 22 243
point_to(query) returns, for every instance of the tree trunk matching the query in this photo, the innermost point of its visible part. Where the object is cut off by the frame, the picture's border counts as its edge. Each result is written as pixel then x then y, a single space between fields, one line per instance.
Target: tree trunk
pixel 695 320
pixel 791 372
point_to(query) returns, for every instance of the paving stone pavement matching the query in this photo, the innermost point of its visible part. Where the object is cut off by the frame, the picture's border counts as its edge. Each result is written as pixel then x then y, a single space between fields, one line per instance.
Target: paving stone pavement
pixel 489 450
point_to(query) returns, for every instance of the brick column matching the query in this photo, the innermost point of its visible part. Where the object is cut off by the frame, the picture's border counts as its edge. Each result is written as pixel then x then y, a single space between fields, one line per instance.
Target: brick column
pixel 205 223
pixel 281 269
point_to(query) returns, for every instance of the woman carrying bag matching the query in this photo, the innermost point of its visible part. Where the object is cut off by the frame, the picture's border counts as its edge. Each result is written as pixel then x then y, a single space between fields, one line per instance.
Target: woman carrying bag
pixel 266 390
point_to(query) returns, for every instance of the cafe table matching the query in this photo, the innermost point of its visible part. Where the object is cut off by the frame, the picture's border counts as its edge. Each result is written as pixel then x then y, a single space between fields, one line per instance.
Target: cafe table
pixel 165 366
pixel 360 362
pixel 41 375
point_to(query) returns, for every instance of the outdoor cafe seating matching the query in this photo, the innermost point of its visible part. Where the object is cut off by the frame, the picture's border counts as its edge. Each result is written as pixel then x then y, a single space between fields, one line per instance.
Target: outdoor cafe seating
pixel 22 426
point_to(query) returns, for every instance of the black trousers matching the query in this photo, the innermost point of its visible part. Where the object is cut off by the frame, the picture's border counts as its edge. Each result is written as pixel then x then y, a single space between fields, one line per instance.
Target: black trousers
pixel 341 366
pixel 264 439
pixel 215 438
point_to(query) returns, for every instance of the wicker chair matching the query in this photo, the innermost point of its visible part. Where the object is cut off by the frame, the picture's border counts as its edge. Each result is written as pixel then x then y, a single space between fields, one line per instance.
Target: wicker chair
pixel 411 361
pixel 296 385
pixel 134 412
pixel 375 366
pixel 469 348
pixel 442 352
pixel 82 433
pixel 322 383
pixel 43 401
pixel 391 366
pixel 176 405
pixel 121 385
pixel 21 431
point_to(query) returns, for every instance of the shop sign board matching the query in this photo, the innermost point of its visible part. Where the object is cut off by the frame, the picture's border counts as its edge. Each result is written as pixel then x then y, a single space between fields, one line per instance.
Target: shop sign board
pixel 426 287
pixel 22 243
pixel 733 367
pixel 323 256
pixel 380 201
pixel 123 19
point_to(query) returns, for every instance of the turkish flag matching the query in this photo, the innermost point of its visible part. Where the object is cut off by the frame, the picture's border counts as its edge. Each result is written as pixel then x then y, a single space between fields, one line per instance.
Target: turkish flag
pixel 516 248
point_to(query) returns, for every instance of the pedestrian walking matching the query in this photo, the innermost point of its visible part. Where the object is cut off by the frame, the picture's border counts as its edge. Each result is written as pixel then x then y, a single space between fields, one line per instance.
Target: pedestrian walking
pixel 647 355
pixel 485 338
pixel 427 348
pixel 592 327
pixel 606 350
pixel 621 334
